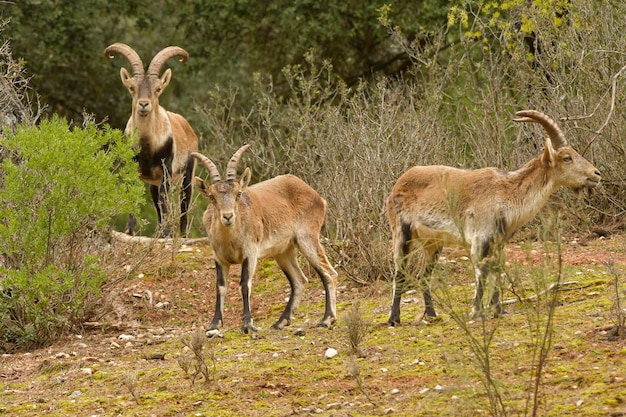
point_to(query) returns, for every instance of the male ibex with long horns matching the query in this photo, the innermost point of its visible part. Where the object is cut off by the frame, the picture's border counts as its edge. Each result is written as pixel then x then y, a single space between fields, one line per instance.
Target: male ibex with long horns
pixel 166 140
pixel 435 206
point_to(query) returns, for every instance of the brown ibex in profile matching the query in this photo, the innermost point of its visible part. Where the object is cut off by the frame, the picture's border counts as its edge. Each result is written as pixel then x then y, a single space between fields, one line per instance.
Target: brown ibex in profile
pixel 166 140
pixel 273 218
pixel 435 206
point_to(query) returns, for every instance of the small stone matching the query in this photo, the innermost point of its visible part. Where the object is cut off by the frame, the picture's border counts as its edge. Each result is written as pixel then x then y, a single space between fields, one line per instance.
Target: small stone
pixel 299 332
pixel 394 391
pixel 75 394
pixel 330 353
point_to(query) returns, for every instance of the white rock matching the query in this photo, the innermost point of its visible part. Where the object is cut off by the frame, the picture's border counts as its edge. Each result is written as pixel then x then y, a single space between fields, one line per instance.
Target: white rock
pixel 330 353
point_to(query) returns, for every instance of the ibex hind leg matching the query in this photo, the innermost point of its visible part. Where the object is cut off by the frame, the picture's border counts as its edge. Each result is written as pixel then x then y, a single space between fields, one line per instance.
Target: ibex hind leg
pixel 289 265
pixel 314 253
pixel 424 281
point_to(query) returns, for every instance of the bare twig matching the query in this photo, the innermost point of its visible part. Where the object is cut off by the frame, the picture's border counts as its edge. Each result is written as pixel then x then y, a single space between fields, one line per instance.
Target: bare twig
pixel 611 110
pixel 145 240
pixel 553 287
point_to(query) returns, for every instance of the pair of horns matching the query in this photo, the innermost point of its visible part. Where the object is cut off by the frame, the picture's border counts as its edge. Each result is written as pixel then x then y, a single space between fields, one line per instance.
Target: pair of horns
pixel 137 64
pixel 231 168
pixel 554 132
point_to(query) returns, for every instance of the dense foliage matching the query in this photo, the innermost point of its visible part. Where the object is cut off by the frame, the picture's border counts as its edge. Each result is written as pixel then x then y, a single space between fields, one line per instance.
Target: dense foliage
pixel 61 187
pixel 228 41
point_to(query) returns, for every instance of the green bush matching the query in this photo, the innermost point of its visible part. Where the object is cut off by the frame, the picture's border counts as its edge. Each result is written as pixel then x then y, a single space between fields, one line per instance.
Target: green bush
pixel 60 188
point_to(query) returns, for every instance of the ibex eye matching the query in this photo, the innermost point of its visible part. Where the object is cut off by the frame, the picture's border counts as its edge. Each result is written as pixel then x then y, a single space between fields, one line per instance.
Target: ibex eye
pixel 567 158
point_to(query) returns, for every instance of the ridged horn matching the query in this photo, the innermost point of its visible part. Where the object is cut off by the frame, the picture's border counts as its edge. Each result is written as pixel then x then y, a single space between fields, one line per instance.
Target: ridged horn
pixel 166 53
pixel 231 169
pixel 128 53
pixel 209 165
pixel 554 132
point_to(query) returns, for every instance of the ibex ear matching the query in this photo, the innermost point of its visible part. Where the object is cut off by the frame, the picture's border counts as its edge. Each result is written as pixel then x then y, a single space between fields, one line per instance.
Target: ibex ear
pixel 201 186
pixel 245 178
pixel 125 76
pixel 548 157
pixel 166 78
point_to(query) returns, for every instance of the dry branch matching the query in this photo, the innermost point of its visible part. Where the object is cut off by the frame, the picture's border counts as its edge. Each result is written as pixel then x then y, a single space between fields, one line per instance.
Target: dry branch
pixel 553 287
pixel 145 240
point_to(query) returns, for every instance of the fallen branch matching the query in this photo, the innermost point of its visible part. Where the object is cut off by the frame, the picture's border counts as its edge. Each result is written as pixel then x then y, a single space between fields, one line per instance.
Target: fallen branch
pixel 145 240
pixel 553 287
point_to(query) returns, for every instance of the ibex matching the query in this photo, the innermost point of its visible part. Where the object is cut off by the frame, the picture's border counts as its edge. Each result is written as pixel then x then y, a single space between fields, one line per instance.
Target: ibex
pixel 166 139
pixel 435 206
pixel 273 218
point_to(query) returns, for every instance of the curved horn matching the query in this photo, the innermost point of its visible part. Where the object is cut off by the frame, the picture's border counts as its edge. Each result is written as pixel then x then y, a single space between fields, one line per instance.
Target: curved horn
pixel 231 169
pixel 128 53
pixel 166 53
pixel 209 165
pixel 554 132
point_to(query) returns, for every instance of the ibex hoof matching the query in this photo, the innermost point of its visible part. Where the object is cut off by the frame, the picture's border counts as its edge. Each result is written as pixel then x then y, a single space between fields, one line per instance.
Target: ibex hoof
pixel 281 324
pixel 249 329
pixel 210 333
pixel 327 323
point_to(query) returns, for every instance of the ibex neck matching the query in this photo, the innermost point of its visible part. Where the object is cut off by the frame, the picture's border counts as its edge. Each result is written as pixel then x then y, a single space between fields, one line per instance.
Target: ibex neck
pixel 155 126
pixel 530 188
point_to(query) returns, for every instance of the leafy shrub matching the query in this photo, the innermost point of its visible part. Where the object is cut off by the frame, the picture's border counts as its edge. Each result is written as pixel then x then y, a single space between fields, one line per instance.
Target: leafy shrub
pixel 60 187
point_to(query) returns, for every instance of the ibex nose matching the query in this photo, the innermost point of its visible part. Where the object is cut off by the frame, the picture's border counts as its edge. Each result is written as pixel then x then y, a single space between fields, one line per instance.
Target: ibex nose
pixel 227 218
pixel 143 107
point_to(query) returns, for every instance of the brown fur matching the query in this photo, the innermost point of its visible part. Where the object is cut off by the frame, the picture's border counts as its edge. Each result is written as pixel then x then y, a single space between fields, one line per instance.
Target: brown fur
pixel 275 219
pixel 435 206
pixel 166 139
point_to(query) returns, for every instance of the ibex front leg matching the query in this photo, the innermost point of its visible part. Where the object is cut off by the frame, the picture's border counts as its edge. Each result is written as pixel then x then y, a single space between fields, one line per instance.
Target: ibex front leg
pixel 247 269
pixel 220 296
